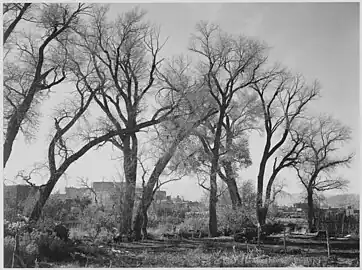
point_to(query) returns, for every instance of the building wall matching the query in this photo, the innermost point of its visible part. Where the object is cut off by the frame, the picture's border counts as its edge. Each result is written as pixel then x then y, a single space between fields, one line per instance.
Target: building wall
pixel 72 193
pixel 160 195
pixel 22 197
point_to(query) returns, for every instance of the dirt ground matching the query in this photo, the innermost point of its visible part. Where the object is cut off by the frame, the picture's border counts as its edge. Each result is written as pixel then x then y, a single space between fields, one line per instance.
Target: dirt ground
pixel 162 253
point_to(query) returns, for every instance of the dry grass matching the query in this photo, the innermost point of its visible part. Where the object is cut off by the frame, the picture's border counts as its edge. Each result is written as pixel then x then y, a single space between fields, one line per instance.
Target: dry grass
pixel 203 257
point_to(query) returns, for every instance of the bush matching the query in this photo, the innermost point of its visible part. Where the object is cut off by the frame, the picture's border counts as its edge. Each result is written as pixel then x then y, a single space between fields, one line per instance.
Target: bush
pixel 161 229
pixel 234 220
pixel 52 248
pixel 195 224
pixel 273 228
pixel 32 244
pixel 173 220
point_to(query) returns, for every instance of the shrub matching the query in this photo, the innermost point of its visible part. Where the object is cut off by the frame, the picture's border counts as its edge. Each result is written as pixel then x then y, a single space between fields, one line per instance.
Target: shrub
pixel 52 248
pixel 173 220
pixel 271 228
pixel 195 223
pixel 234 220
pixel 32 244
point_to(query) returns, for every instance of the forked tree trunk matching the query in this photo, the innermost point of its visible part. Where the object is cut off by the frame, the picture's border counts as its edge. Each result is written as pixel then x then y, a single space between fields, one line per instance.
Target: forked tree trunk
pixel 147 194
pixel 229 172
pixel 267 199
pixel 213 175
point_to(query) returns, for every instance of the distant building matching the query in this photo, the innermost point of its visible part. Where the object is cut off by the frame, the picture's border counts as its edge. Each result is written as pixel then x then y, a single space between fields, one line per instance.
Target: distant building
pixel 20 197
pixel 351 211
pixel 301 206
pixel 18 193
pixel 72 192
pixel 160 195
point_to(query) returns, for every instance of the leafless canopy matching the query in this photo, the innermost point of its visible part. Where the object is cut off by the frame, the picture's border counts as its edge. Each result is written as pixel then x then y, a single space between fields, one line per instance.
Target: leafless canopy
pixel 34 64
pixel 324 138
pixel 12 14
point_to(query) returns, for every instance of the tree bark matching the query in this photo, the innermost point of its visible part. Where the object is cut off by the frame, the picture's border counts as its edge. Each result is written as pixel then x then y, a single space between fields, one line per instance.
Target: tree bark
pixel 229 172
pixel 267 200
pixel 213 199
pixel 213 175
pixel 310 210
pixel 130 169
pixel 231 184
pixel 44 193
pixel 259 195
pixel 144 224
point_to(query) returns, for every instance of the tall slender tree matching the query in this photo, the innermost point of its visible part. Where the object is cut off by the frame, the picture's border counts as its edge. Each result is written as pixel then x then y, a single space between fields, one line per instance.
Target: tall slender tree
pixel 324 137
pixel 125 54
pixel 283 99
pixel 194 108
pixel 228 64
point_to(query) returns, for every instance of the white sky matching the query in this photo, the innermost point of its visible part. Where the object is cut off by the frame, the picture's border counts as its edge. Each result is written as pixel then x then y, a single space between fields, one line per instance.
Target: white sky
pixel 319 40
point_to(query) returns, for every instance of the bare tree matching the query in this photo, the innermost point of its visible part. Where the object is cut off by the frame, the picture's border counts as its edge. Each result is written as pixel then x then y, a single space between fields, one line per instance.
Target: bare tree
pixel 283 99
pixel 228 65
pixel 194 108
pixel 84 183
pixel 35 67
pixel 317 163
pixel 13 13
pixel 235 149
pixel 72 128
pixel 125 54
pixel 287 157
pixel 60 154
pixel 242 117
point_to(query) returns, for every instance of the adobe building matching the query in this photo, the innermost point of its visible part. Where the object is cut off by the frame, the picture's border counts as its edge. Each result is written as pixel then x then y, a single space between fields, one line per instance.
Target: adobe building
pixel 20 197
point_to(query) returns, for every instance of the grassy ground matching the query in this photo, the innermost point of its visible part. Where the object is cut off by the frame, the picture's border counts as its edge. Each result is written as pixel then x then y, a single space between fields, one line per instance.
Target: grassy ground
pixel 207 253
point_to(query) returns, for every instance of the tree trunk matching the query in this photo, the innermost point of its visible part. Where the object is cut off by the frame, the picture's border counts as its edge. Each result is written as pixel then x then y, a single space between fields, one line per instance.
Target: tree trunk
pixel 147 194
pixel 130 170
pixel 267 199
pixel 144 224
pixel 232 186
pixel 229 172
pixel 14 123
pixel 44 193
pixel 310 211
pixel 260 212
pixel 12 26
pixel 213 199
pixel 137 222
pixel 213 174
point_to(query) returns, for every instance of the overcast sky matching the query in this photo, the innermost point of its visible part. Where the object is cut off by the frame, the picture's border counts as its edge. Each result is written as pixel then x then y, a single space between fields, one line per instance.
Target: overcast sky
pixel 319 40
